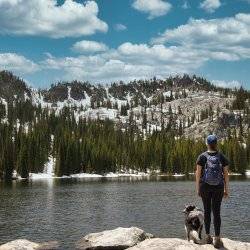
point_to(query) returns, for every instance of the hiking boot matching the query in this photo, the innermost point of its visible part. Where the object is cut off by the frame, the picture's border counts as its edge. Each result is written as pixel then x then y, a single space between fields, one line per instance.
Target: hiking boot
pixel 208 239
pixel 218 242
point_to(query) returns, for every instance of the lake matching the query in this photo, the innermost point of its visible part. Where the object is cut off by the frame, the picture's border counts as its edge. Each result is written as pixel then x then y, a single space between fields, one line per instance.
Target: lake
pixel 67 209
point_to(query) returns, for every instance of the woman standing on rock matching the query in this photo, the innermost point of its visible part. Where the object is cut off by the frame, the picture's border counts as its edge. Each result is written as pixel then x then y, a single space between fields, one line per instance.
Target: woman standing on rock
pixel 212 184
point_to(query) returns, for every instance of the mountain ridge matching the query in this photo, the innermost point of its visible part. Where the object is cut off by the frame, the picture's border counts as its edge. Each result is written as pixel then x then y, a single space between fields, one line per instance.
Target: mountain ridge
pixel 190 105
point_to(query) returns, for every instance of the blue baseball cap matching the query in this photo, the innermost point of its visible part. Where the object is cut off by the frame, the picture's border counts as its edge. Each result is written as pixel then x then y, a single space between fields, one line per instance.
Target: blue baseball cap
pixel 212 139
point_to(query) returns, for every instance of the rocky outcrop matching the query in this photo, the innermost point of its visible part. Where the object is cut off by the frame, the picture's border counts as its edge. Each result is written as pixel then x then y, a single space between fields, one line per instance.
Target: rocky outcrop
pixel 22 244
pixel 136 239
pixel 179 244
pixel 132 238
pixel 117 239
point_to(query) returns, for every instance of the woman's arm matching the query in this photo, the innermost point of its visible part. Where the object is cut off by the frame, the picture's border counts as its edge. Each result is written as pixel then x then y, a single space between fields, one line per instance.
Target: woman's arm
pixel 226 181
pixel 197 178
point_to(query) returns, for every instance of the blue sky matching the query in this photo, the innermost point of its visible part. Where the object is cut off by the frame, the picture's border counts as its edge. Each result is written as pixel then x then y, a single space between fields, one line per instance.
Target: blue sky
pixel 102 41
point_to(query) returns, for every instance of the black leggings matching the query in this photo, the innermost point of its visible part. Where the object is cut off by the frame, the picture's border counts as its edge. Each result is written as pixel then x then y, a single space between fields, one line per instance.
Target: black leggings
pixel 211 198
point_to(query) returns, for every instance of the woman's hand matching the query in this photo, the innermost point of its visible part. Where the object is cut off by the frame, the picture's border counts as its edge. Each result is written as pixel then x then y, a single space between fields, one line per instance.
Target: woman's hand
pixel 226 193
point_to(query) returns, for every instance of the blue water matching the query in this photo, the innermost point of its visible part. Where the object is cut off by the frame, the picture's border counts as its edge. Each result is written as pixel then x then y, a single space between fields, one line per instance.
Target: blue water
pixel 65 210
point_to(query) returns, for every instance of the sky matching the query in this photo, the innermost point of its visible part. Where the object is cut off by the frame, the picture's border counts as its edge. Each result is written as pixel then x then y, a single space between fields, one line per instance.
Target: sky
pixel 103 41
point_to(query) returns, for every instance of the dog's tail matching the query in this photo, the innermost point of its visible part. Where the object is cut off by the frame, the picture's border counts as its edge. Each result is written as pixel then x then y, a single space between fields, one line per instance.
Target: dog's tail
pixel 195 237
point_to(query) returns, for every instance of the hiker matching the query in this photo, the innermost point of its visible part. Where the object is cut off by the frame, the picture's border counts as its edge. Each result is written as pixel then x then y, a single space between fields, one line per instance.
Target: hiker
pixel 211 185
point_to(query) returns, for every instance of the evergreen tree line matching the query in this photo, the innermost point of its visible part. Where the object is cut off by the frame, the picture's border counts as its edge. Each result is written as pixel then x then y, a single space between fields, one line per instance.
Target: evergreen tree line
pixel 29 138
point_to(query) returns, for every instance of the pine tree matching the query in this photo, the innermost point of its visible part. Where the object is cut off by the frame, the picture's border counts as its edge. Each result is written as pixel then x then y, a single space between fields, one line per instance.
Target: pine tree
pixel 22 161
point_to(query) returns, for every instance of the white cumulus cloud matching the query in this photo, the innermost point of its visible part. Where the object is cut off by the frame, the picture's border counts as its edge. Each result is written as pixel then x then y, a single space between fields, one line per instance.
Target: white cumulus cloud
pixel 222 39
pixel 210 5
pixel 89 47
pixel 120 27
pixel 227 84
pixel 180 50
pixel 17 63
pixel 154 8
pixel 127 62
pixel 47 18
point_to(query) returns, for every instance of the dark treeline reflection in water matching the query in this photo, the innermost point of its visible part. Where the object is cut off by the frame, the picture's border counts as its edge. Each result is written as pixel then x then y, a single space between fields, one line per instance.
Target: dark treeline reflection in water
pixel 66 209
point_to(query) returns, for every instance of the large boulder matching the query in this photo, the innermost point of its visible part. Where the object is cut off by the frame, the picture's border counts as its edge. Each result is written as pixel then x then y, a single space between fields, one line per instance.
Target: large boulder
pixel 19 245
pixel 179 244
pixel 22 244
pixel 117 239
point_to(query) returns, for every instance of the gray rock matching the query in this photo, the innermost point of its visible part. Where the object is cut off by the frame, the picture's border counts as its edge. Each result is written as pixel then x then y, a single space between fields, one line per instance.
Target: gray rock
pixel 117 239
pixel 22 244
pixel 179 244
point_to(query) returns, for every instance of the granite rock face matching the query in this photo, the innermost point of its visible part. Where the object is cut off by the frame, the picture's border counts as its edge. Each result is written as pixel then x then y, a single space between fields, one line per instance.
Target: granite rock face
pixel 117 239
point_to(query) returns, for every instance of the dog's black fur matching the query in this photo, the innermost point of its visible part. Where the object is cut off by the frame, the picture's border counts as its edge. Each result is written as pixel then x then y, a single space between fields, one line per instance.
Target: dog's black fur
pixel 194 220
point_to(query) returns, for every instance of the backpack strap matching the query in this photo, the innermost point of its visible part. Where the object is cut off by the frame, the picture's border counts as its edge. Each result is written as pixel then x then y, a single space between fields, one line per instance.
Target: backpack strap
pixel 206 154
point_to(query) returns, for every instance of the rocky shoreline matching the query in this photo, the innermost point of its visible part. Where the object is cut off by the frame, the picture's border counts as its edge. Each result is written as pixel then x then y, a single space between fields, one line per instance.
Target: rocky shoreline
pixel 132 238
